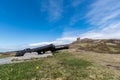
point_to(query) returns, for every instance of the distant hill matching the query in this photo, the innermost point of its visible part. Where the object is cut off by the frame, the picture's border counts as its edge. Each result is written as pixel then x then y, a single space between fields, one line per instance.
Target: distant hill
pixel 97 45
pixel 10 53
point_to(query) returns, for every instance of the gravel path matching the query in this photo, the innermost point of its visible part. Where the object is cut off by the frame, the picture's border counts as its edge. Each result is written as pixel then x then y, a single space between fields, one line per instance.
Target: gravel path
pixel 6 60
pixel 26 57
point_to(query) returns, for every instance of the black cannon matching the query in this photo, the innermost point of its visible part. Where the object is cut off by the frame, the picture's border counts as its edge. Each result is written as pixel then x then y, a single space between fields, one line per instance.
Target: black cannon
pixel 42 50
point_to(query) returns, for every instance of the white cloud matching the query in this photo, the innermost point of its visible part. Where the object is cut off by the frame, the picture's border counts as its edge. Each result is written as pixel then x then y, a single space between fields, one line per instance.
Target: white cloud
pixel 67 39
pixel 68 36
pixel 59 41
pixel 53 8
pixel 103 11
pixel 42 43
pixel 12 47
pixel 70 32
pixel 104 14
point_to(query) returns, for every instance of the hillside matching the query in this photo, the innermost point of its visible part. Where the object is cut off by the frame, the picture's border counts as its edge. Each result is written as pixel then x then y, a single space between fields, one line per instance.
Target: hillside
pixel 105 52
pixel 111 46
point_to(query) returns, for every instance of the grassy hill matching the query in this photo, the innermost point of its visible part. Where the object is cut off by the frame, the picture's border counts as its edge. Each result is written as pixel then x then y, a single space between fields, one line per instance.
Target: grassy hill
pixel 111 46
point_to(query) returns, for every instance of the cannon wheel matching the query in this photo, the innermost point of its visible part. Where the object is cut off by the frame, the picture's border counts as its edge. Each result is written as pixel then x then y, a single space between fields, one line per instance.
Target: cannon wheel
pixel 41 52
pixel 20 53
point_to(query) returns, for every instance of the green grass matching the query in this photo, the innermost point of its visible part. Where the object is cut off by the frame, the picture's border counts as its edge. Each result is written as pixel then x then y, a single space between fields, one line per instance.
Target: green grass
pixel 62 66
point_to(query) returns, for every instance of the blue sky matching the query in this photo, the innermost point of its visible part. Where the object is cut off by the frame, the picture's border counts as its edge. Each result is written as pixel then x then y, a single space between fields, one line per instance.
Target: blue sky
pixel 30 23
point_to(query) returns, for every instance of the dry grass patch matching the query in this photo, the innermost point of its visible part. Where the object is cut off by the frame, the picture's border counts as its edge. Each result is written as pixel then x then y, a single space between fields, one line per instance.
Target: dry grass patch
pixel 107 60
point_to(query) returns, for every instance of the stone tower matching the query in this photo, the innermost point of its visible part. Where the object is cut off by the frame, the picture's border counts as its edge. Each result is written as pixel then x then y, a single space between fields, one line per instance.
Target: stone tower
pixel 78 39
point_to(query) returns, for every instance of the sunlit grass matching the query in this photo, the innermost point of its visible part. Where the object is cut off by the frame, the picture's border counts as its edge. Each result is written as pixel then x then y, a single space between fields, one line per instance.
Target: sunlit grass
pixel 62 66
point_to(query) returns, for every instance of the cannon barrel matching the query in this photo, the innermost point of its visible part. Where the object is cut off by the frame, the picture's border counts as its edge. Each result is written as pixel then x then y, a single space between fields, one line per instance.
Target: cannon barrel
pixel 61 47
pixel 41 50
pixel 44 48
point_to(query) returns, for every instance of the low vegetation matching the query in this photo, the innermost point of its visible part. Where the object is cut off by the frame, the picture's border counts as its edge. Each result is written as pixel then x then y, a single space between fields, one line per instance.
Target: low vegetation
pixel 7 54
pixel 4 56
pixel 63 66
pixel 99 46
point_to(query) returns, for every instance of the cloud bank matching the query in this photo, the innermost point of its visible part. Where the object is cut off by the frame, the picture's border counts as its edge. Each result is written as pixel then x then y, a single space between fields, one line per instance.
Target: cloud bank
pixel 54 8
pixel 104 15
pixel 65 40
